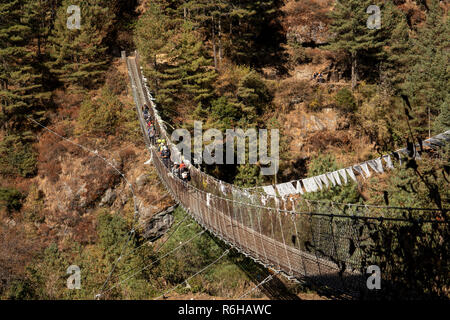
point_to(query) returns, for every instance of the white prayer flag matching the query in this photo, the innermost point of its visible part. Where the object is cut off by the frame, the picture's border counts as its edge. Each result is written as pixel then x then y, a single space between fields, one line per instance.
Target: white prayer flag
pixel 318 181
pixel 343 175
pixel 336 177
pixel 376 165
pixel 387 159
pixel 306 184
pixel 299 187
pixel 270 191
pixel 351 173
pixel 358 169
pixel 208 199
pixel 366 170
pixel 331 178
pixel 324 179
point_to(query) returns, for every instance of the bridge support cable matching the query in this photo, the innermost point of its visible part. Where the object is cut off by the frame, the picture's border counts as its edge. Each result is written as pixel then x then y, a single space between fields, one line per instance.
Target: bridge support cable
pixel 267 279
pixel 194 275
pixel 102 293
pixel 297 241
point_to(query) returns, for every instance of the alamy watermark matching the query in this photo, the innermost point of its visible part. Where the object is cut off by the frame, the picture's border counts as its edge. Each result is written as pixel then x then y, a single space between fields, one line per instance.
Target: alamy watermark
pixel 374 20
pixel 74 20
pixel 213 153
pixel 374 281
pixel 74 281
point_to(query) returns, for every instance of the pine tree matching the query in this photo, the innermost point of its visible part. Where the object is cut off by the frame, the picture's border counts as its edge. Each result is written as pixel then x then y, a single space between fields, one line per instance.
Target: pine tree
pixel 429 77
pixel 442 123
pixel 79 56
pixel 188 74
pixel 351 34
pixel 156 42
pixel 396 52
pixel 41 15
pixel 21 90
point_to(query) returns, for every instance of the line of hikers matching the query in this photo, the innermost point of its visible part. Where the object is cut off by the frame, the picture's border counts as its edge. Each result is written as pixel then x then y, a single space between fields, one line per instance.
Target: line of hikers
pixel 319 77
pixel 178 170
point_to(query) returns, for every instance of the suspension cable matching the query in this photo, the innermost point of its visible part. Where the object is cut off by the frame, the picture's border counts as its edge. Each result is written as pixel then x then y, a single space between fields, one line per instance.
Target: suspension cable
pixel 151 264
pixel 194 275
pixel 267 279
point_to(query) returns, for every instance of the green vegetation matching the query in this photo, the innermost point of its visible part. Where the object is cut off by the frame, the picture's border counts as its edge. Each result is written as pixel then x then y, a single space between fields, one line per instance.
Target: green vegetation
pixel 11 199
pixel 327 163
pixel 78 56
pixel 21 79
pixel 17 157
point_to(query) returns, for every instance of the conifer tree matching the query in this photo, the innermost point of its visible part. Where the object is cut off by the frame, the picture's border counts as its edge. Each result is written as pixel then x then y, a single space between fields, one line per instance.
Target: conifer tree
pixel 188 72
pixel 442 123
pixel 79 56
pixel 396 53
pixel 153 31
pixel 21 90
pixel 429 77
pixel 351 34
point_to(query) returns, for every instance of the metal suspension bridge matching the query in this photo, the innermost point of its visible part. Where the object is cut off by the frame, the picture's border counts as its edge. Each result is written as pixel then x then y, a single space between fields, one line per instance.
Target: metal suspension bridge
pixel 317 241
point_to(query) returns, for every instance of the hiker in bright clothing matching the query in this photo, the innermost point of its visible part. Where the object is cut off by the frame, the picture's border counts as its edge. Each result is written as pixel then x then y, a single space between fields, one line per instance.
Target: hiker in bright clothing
pixel 184 173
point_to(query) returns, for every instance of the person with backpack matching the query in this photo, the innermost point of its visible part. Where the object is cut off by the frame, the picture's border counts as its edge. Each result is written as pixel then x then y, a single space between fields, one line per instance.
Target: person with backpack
pixel 151 133
pixel 176 170
pixel 165 155
pixel 184 173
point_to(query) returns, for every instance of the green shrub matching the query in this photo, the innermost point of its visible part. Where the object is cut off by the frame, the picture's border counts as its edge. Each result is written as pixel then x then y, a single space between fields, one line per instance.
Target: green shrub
pixel 11 199
pixel 20 290
pixel 345 101
pixel 102 115
pixel 17 157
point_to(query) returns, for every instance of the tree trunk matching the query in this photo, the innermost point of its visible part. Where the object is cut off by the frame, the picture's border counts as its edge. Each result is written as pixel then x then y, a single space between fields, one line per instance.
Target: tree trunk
pixel 220 41
pixel 214 42
pixel 354 71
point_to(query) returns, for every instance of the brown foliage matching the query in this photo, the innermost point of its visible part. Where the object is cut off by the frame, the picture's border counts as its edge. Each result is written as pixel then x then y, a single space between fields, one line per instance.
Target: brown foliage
pixel 99 179
pixel 84 232
pixel 322 140
pixel 291 92
pixel 16 251
pixel 51 149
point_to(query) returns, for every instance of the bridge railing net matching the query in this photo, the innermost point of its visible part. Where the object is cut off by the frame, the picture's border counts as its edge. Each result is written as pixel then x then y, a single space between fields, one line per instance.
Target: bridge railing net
pixel 302 239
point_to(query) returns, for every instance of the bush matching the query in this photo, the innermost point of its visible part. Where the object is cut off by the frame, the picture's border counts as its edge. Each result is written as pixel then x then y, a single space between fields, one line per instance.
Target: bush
pixel 299 55
pixel 224 112
pixel 102 115
pixel 20 290
pixel 116 82
pixel 17 157
pixel 345 101
pixel 11 199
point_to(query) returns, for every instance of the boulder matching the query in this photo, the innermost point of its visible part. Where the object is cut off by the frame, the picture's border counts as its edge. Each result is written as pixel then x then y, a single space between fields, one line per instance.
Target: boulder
pixel 108 198
pixel 142 180
pixel 159 224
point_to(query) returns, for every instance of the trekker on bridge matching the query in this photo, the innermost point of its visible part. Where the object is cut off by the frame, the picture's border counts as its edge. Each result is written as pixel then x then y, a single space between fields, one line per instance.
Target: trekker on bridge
pixel 151 132
pixel 160 145
pixel 184 173
pixel 176 170
pixel 165 155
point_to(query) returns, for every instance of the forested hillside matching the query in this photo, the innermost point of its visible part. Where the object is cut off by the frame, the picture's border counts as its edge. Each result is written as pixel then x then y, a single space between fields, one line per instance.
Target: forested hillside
pixel 70 145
